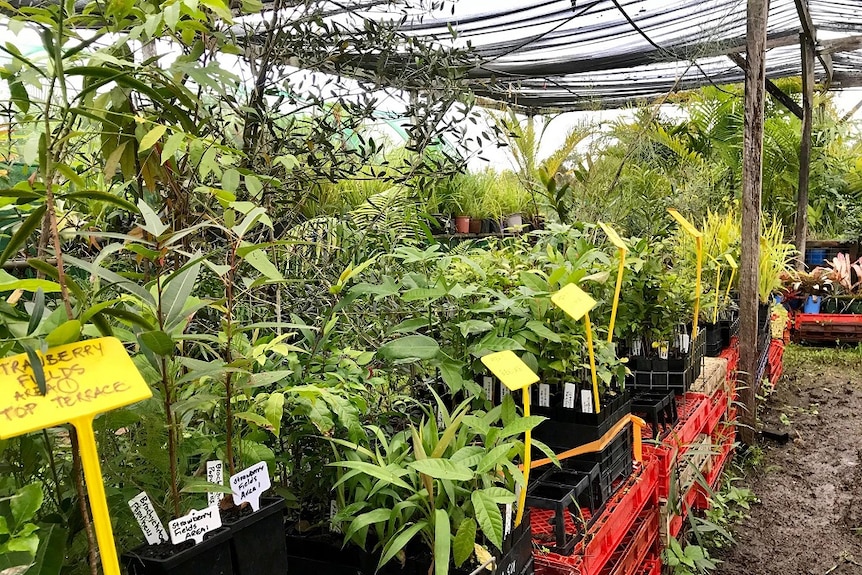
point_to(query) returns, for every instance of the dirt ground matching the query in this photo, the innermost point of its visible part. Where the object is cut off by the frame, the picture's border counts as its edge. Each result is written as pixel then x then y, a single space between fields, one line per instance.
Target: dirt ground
pixel 809 520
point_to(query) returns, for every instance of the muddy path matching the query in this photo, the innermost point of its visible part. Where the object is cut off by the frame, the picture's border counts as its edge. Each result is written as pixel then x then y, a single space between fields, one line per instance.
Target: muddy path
pixel 809 520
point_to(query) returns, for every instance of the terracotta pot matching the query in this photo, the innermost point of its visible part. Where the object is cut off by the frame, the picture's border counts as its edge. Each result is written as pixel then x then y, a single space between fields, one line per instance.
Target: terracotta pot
pixel 462 224
pixel 475 226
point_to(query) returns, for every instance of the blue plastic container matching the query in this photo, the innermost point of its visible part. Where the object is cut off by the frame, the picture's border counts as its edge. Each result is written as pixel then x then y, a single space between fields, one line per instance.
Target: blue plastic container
pixel 812 304
pixel 815 257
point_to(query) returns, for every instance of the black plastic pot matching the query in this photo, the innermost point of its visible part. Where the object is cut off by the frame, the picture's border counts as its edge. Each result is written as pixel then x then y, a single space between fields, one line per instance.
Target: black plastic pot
pixel 210 557
pixel 257 540
pixel 714 341
pixel 517 552
pixel 673 374
pixel 562 500
pixel 313 556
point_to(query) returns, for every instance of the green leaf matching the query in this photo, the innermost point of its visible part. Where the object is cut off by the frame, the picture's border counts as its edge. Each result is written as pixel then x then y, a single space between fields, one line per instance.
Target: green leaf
pixel 67 332
pixel 173 143
pixel 254 418
pixel 128 317
pixel 442 469
pixel 51 550
pixel 36 366
pixel 176 291
pixel 543 330
pixel 25 503
pixel 274 410
pixel 151 137
pixel 499 495
pixel 375 471
pixel 493 458
pixel 101 196
pixel 397 543
pixel 19 95
pixel 38 311
pixel 489 517
pixel 520 425
pixel 253 185
pixel 230 180
pixel 259 261
pixel 442 542
pixel 465 539
pixel 33 221
pixel 158 342
pixel 411 346
pixel 152 223
pixel 116 279
pixel 472 326
pixel 366 519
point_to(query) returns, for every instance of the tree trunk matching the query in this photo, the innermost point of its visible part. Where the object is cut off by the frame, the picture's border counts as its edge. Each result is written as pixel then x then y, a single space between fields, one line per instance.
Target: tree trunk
pixel 752 185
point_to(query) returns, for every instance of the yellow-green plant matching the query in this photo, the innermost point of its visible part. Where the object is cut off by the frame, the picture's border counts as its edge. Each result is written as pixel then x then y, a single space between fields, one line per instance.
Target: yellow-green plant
pixel 776 258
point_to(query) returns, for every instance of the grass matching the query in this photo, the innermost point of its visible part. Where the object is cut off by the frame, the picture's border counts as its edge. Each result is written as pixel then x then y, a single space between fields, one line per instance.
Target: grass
pixel 796 356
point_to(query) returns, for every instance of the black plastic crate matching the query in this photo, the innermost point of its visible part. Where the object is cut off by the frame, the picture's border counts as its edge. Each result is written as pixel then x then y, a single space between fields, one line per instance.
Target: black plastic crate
pixel 568 428
pixel 614 461
pixel 672 374
pixel 562 499
pixel 658 408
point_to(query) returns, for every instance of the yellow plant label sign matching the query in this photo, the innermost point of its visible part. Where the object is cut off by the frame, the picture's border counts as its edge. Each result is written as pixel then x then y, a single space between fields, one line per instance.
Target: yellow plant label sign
pixel 82 379
pixel 730 261
pixel 574 301
pixel 508 367
pixel 686 225
pixel 613 236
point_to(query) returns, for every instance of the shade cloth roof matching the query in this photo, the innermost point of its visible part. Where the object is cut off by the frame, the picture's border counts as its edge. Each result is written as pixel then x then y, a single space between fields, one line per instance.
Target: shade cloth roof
pixel 580 54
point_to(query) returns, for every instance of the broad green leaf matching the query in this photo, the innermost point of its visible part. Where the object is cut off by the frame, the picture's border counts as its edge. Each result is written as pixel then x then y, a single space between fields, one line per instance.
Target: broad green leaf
pixel 254 418
pixel 230 180
pixel 158 342
pixel 172 145
pixel 442 542
pixel 176 291
pixel 375 471
pixel 30 285
pixel 493 458
pixel 442 469
pixel 520 425
pixel 274 410
pixel 469 455
pixel 499 495
pixel 253 185
pixel 462 544
pixel 151 137
pixel 472 326
pixel 259 261
pixel 51 551
pixel 25 503
pixel 152 223
pixel 411 346
pixel 33 221
pixel 543 330
pixel 67 332
pixel 366 519
pixel 417 294
pixel 398 542
pixel 489 517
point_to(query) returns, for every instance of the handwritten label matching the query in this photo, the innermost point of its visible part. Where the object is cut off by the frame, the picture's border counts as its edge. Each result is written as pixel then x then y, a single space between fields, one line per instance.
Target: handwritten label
pixel 249 484
pixel 570 390
pixel 507 520
pixel 574 301
pixel 194 525
pixel 663 348
pixel 488 385
pixel 215 474
pixel 82 379
pixel 509 369
pixel 586 401
pixel 145 515
pixel 612 235
pixel 504 391
pixel 686 225
pixel 439 417
pixel 544 395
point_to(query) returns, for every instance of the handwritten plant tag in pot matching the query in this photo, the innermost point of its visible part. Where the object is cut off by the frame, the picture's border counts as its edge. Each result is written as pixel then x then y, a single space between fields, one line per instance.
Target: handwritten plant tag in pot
pixel 249 484
pixel 194 525
pixel 215 474
pixel 142 509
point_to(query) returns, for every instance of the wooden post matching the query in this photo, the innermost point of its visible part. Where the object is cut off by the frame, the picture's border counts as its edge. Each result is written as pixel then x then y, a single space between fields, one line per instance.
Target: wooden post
pixel 752 186
pixel 805 147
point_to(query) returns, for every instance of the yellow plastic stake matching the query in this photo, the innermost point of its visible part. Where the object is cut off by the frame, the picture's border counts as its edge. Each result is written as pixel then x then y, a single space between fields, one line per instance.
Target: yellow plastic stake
pixel 82 379
pixel 615 239
pixel 698 241
pixel 515 375
pixel 577 304
pixel 717 294
pixel 733 266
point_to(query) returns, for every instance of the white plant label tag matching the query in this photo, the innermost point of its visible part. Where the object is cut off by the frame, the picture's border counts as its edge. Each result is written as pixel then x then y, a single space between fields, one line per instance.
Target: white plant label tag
pixel 488 385
pixel 504 391
pixel 544 395
pixel 587 401
pixel 663 350
pixel 684 341
pixel 215 474
pixel 507 520
pixel 637 347
pixel 194 525
pixel 249 484
pixel 439 417
pixel 569 392
pixel 333 511
pixel 145 515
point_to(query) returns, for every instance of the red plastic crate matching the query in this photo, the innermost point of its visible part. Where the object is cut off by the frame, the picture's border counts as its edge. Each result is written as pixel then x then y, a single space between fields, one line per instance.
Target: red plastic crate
pixel 650 566
pixel 665 457
pixel 638 544
pixel 724 437
pixel 607 532
pixel 846 327
pixel 717 410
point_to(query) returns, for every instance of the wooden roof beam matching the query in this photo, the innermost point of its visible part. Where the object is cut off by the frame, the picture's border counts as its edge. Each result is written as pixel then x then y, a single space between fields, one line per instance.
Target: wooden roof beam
pixel 809 31
pixel 773 90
